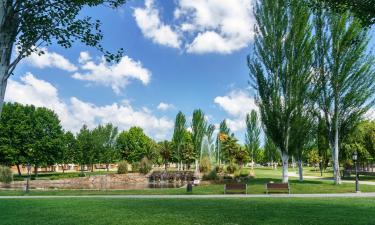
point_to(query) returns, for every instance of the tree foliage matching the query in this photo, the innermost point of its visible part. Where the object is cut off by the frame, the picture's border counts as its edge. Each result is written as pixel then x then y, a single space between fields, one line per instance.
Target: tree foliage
pixel 280 67
pixel 345 76
pixel 29 24
pixel 134 144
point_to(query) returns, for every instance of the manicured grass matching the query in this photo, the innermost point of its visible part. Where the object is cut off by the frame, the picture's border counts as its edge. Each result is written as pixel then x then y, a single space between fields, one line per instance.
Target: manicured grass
pixel 187 211
pixel 255 186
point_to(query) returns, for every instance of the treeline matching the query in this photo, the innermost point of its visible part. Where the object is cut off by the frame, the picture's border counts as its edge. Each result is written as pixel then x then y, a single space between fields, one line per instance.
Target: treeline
pixel 313 75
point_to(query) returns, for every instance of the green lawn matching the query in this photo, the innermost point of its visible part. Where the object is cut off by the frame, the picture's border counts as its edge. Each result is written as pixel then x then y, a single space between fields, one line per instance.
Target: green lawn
pixel 187 211
pixel 255 186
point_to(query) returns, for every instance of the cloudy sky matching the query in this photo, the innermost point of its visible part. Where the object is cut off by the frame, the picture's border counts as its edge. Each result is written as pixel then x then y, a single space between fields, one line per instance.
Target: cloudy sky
pixel 179 55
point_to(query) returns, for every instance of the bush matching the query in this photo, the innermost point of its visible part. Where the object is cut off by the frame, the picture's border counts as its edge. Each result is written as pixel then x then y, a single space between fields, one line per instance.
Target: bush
pixel 232 168
pixel 6 175
pixel 205 165
pixel 122 167
pixel 145 166
pixel 211 175
pixel 219 169
pixel 80 175
pixel 244 173
pixel 135 166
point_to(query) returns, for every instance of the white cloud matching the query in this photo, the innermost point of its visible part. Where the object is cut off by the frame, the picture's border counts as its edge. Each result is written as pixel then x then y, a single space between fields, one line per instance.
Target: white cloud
pixel 75 112
pixel 50 59
pixel 204 26
pixel 116 76
pixel 165 106
pixel 237 104
pixel 84 57
pixel 151 26
pixel 221 26
pixel 370 114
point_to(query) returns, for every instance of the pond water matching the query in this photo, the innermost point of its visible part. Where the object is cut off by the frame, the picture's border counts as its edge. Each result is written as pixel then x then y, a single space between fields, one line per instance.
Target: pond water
pixel 94 186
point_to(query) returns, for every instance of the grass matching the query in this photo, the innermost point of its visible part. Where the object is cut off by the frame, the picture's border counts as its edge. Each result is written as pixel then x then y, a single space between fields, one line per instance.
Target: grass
pixel 255 186
pixel 187 211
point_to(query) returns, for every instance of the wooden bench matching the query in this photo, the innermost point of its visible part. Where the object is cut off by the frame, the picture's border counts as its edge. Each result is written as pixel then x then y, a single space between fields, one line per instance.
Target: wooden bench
pixel 277 186
pixel 235 187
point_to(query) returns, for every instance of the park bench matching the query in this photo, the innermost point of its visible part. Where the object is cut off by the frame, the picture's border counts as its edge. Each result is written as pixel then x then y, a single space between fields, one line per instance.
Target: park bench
pixel 235 187
pixel 277 186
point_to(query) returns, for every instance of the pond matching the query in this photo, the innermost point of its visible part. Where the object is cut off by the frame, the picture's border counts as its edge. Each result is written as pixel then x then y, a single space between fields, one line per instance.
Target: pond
pixel 94 186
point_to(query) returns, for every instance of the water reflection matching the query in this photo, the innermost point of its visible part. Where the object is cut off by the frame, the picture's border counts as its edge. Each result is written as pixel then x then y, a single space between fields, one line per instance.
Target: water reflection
pixel 96 185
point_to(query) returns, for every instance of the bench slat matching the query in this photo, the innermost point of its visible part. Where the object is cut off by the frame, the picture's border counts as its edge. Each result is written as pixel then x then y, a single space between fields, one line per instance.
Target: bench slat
pixel 277 186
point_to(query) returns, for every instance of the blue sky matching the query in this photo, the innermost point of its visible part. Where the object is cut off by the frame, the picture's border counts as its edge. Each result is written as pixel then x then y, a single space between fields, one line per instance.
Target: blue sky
pixel 179 55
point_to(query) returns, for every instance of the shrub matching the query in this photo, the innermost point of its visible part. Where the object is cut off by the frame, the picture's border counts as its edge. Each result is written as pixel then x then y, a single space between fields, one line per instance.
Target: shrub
pixel 6 175
pixel 135 166
pixel 205 165
pixel 211 175
pixel 82 175
pixel 122 167
pixel 244 173
pixel 145 166
pixel 231 168
pixel 219 168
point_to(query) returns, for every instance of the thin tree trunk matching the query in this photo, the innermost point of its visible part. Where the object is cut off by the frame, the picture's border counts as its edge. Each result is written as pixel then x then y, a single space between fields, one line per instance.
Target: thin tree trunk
pixel 285 159
pixel 107 167
pixel 36 170
pixel 336 164
pixel 19 170
pixel 300 170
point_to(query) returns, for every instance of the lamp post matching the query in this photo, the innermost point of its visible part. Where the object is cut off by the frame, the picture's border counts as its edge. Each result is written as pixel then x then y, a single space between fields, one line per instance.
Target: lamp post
pixel 355 158
pixel 28 177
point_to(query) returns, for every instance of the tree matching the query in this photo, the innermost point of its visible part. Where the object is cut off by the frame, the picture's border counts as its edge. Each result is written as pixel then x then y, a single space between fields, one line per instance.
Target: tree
pixel 270 152
pixel 187 149
pixel 199 129
pixel 105 138
pixel 345 76
pixel 67 153
pixel 28 24
pixel 15 134
pixel 223 132
pixel 47 138
pixel 362 9
pixel 165 151
pixel 252 134
pixel 178 135
pixel 85 148
pixel 280 67
pixel 134 144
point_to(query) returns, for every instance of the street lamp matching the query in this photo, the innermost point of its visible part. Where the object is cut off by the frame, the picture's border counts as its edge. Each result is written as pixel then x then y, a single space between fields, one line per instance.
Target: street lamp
pixel 28 177
pixel 355 158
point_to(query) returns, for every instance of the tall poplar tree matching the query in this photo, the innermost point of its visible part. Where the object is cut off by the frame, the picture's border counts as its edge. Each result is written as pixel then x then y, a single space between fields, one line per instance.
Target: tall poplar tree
pixel 252 134
pixel 178 136
pixel 280 67
pixel 199 128
pixel 345 76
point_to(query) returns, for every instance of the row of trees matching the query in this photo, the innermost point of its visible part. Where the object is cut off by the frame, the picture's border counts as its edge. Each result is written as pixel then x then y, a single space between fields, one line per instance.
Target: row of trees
pixel 310 66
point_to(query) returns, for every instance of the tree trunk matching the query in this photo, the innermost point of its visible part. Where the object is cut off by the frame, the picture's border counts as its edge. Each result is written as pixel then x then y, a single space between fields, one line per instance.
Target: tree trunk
pixel 337 178
pixel 285 159
pixel 36 170
pixel 300 170
pixel 19 170
pixel 107 167
pixel 8 30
